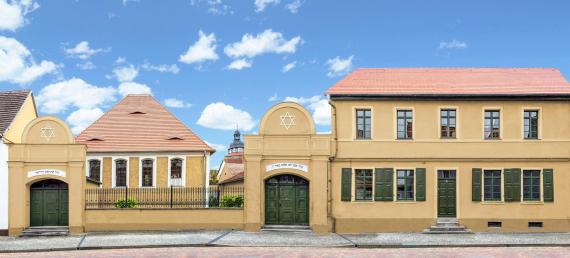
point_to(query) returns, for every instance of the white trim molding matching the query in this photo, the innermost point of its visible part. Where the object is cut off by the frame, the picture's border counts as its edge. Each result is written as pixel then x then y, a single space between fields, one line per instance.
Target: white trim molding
pixel 87 168
pixel 141 159
pixel 113 170
pixel 183 158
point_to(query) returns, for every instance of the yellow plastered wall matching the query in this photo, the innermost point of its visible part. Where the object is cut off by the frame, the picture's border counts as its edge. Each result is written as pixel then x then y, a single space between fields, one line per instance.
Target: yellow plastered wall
pixel 162 171
pixel 107 172
pixel 195 171
pixel 134 172
pixel 26 114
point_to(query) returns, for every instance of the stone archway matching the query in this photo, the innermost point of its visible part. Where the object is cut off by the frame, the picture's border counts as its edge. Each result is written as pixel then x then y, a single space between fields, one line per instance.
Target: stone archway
pixel 286 200
pixel 49 205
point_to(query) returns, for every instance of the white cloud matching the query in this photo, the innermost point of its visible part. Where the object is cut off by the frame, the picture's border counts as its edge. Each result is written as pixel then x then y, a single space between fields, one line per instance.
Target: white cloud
pixel 265 42
pixel 454 44
pixel 214 6
pixel 217 146
pixel 12 14
pixel 273 98
pixel 203 50
pixel 127 88
pixel 17 64
pixel 59 97
pixel 163 68
pixel 339 66
pixel 318 105
pixel 225 117
pixel 82 118
pixel 86 65
pixel 120 60
pixel 176 103
pixel 125 2
pixel 126 73
pixel 294 6
pixel 289 66
pixel 83 51
pixel 240 64
pixel 261 4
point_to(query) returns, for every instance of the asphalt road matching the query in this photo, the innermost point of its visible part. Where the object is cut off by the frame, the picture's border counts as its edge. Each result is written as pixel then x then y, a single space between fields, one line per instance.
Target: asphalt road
pixel 478 252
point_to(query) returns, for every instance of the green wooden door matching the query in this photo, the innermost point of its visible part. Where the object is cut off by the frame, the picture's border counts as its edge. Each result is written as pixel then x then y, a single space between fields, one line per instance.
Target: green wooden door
pixel 48 204
pixel 286 201
pixel 446 196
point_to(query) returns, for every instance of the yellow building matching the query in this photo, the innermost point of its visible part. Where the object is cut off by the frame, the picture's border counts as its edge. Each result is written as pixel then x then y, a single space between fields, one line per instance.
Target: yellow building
pixel 17 109
pixel 140 144
pixel 440 149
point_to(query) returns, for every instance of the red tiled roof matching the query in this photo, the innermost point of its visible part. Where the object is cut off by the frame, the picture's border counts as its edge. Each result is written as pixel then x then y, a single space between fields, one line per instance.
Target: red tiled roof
pixel 10 104
pixel 139 123
pixel 452 81
pixel 236 173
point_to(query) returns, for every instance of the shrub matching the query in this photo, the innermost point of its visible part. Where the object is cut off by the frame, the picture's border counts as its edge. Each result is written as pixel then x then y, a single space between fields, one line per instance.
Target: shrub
pixel 232 201
pixel 213 202
pixel 126 203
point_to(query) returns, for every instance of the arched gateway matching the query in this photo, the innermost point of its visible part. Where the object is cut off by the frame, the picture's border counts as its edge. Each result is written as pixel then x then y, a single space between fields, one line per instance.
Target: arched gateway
pixel 286 200
pixel 286 171
pixel 49 203
pixel 47 178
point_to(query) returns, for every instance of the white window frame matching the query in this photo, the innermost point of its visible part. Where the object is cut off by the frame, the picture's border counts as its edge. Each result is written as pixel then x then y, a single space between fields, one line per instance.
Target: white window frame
pixel 114 169
pixel 395 185
pixel 353 184
pixel 183 158
pixel 539 132
pixel 153 158
pixel 414 136
pixel 87 168
pixel 456 108
pixel 354 131
pixel 501 123
pixel 502 201
pixel 541 199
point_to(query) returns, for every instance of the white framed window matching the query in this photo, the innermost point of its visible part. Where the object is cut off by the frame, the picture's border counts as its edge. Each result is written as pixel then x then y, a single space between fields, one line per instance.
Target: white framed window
pixel 176 171
pixel 93 169
pixel 147 172
pixel 120 172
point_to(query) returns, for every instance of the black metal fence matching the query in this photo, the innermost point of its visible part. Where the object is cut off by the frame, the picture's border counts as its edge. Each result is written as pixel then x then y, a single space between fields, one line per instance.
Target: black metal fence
pixel 164 198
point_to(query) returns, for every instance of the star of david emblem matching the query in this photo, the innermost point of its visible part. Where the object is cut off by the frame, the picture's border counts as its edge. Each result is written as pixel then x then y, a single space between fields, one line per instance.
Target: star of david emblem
pixel 47 132
pixel 287 120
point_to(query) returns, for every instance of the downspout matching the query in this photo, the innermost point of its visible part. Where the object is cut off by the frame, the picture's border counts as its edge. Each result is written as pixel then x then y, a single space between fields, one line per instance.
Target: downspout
pixel 331 159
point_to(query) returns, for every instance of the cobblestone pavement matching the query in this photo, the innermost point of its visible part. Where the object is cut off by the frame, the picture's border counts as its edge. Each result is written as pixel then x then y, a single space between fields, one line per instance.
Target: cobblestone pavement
pixel 542 252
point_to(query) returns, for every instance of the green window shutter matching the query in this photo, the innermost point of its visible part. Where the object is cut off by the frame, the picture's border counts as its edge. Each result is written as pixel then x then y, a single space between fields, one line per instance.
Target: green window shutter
pixel 420 184
pixel 384 185
pixel 512 186
pixel 378 184
pixel 346 185
pixel 476 184
pixel 516 185
pixel 548 184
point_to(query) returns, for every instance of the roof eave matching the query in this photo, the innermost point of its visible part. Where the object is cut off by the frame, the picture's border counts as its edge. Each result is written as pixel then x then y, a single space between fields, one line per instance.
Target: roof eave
pixel 545 96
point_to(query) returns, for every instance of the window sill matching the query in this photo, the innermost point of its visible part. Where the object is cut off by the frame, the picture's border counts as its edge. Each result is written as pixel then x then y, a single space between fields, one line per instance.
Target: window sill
pixel 532 203
pixel 492 139
pixel 363 201
pixel 493 202
pixel 362 139
pixel 448 138
pixel 404 139
pixel 532 139
pixel 404 201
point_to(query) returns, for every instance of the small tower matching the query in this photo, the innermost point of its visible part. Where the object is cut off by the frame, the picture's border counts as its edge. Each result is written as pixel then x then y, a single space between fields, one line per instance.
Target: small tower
pixel 237 144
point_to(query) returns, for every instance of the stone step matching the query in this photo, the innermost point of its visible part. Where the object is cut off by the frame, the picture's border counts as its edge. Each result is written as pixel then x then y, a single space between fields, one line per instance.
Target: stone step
pixel 45 231
pixel 466 231
pixel 436 228
pixel 286 228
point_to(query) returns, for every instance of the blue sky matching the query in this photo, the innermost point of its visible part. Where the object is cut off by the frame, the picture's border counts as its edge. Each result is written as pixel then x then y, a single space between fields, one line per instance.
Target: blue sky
pixel 80 57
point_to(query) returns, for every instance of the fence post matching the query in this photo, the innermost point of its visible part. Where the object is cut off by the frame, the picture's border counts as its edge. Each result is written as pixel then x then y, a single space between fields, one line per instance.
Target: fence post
pixel 126 193
pixel 171 197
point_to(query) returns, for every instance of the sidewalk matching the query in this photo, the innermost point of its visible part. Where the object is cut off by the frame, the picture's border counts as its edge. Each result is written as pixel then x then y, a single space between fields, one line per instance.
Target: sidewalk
pixel 277 239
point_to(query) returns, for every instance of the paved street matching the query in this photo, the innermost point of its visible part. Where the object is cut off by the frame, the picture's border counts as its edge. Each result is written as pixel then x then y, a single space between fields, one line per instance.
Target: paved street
pixel 310 252
pixel 131 240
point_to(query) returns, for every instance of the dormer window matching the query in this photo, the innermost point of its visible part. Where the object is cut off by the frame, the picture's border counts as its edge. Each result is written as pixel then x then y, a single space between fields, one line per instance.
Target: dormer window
pixel 138 112
pixel 95 138
pixel 175 137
